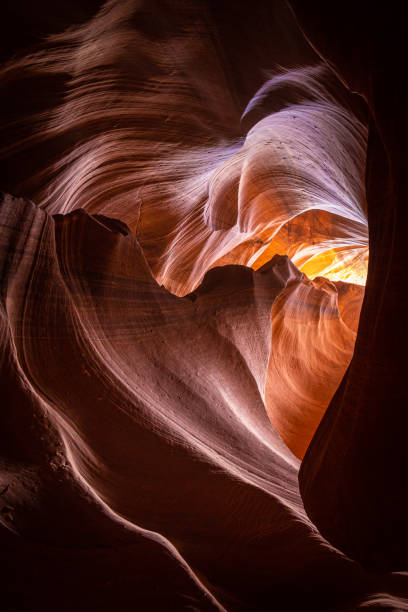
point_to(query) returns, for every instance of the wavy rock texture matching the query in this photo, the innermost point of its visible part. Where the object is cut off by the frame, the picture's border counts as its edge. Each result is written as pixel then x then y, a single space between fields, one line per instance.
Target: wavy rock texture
pixel 183 267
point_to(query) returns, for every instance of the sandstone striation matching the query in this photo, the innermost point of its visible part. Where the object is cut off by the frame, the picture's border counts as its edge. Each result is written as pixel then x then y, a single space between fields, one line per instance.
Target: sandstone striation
pixel 194 415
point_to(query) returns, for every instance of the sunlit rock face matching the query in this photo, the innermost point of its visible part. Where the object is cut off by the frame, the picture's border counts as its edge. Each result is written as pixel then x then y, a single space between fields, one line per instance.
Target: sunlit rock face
pixel 183 262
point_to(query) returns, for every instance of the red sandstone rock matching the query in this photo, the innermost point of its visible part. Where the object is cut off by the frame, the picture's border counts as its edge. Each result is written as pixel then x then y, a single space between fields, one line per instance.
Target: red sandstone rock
pixel 178 308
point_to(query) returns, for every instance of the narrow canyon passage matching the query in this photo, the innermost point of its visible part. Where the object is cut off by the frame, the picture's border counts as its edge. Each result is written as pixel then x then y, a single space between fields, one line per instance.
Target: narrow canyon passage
pixel 184 254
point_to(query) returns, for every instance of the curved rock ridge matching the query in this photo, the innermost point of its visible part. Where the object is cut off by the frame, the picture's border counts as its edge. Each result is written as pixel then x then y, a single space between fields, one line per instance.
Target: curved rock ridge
pixel 384 601
pixel 203 172
pixel 150 411
pixel 180 313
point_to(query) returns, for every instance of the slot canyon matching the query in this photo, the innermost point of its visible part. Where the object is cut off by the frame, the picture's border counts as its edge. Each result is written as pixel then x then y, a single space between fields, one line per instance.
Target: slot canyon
pixel 203 307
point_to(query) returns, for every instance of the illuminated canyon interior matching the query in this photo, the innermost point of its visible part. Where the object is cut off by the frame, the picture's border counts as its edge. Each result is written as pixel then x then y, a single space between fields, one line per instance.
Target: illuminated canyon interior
pixel 203 307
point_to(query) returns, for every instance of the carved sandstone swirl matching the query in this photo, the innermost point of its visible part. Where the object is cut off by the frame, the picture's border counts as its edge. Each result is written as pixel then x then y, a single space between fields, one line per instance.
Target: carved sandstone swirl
pixel 155 405
pixel 143 123
pixel 160 412
pixel 132 132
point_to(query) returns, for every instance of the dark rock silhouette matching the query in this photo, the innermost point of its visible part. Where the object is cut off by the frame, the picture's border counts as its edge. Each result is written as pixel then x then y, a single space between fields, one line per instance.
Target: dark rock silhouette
pixel 352 478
